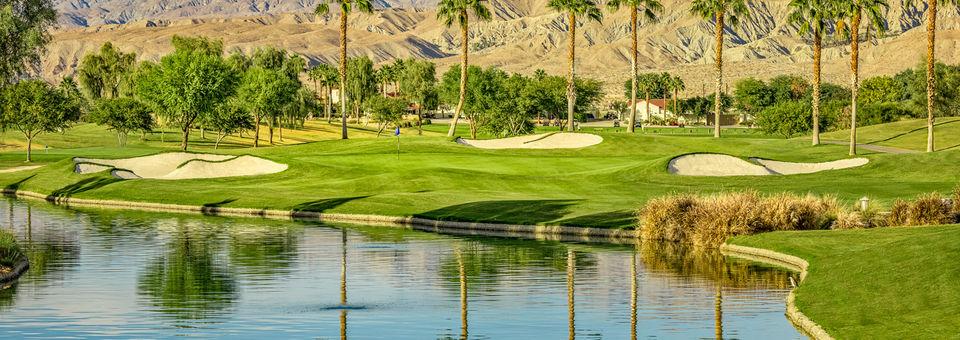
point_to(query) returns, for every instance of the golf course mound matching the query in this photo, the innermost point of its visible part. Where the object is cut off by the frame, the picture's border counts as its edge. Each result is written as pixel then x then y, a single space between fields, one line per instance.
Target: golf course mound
pixel 540 141
pixel 718 165
pixel 179 165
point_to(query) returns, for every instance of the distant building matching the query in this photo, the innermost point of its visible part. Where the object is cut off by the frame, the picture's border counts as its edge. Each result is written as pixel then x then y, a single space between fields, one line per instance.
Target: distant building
pixel 658 110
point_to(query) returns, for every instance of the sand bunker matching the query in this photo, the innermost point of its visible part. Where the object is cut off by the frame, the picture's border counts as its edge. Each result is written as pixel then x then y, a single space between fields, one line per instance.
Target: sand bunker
pixel 725 165
pixel 179 165
pixel 541 141
pixel 19 168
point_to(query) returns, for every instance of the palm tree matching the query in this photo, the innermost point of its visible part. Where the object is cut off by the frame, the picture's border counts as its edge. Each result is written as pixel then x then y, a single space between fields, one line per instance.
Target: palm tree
pixel 721 12
pixel 645 83
pixel 676 85
pixel 813 17
pixel 346 6
pixel 931 64
pixel 650 10
pixel 459 11
pixel 850 13
pixel 574 8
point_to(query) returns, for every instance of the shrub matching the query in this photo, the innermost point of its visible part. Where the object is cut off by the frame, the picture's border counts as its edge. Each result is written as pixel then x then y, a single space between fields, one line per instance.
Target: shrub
pixel 930 209
pixel 786 119
pixel 849 220
pixel 710 220
pixel 899 213
pixel 9 251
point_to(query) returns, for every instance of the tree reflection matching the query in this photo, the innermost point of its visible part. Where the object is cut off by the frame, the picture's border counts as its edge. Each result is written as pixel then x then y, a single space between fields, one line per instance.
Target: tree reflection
pixel 263 252
pixel 688 261
pixel 188 282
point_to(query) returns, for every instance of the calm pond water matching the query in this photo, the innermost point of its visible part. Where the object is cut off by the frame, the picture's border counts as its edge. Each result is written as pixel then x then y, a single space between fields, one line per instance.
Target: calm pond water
pixel 121 274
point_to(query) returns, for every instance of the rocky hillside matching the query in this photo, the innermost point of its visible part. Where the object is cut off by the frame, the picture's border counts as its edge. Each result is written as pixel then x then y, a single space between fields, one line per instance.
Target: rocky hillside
pixel 524 36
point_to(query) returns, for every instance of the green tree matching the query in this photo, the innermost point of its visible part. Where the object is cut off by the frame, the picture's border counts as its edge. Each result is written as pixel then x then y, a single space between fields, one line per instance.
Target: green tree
pixel 676 85
pixel 814 17
pixel 850 14
pixel 386 111
pixel 418 82
pixel 188 84
pixel 787 119
pixel 881 89
pixel 34 107
pixel 106 74
pixel 264 92
pixel 326 76
pixel 24 34
pixel 573 8
pixel 721 12
pixel 752 95
pixel 231 117
pixel 788 88
pixel 346 7
pixel 459 12
pixel 123 115
pixel 650 9
pixel 360 83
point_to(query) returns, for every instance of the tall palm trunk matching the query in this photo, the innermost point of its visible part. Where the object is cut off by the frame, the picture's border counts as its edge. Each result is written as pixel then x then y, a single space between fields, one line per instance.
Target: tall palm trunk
pixel 676 103
pixel 817 58
pixel 329 105
pixel 854 77
pixel 931 69
pixel 633 69
pixel 316 92
pixel 464 59
pixel 343 75
pixel 719 69
pixel 571 55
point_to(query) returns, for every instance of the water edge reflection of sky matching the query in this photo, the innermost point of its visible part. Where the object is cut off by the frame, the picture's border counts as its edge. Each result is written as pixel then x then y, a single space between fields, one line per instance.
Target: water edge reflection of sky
pixel 103 273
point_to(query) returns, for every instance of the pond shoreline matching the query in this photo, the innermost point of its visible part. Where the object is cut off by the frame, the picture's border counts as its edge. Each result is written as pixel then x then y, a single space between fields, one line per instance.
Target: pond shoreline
pixel 18 269
pixel 801 321
pixel 424 224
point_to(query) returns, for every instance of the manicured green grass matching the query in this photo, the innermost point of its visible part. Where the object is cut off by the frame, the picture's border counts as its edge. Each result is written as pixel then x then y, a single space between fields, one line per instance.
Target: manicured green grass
pixel 907 134
pixel 600 186
pixel 891 283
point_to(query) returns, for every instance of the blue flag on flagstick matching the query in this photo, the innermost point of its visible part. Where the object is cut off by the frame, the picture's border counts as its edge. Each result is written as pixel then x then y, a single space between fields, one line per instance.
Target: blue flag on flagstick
pixel 396 132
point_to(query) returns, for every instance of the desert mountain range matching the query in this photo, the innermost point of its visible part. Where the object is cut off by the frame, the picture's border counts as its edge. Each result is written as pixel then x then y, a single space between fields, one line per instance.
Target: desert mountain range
pixel 524 36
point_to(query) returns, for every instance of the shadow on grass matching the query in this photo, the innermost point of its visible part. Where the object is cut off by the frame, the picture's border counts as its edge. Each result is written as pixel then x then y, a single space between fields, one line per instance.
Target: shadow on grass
pixel 325 204
pixel 83 186
pixel 513 212
pixel 924 128
pixel 12 188
pixel 214 208
pixel 611 219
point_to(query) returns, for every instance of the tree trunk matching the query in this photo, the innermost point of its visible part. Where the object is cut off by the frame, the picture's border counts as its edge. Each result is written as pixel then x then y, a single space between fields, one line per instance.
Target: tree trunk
pixel 280 126
pixel 329 106
pixel 256 132
pixel 633 69
pixel 203 134
pixel 931 70
pixel 719 69
pixel 186 137
pixel 854 78
pixel 676 103
pixel 648 106
pixel 270 128
pixel 464 59
pixel 343 75
pixel 316 92
pixel 817 59
pixel 419 120
pixel 29 149
pixel 571 56
pixel 220 138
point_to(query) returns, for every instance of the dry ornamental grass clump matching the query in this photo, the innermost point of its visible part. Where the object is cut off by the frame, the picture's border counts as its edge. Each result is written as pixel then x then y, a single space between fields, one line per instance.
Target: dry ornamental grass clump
pixel 710 220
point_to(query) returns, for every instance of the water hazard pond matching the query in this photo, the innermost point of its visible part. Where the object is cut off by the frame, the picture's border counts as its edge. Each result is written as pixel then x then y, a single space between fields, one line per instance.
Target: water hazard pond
pixel 104 273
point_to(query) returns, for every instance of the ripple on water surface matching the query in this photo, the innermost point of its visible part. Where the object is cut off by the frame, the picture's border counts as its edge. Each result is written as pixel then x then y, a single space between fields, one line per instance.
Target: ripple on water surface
pixel 102 273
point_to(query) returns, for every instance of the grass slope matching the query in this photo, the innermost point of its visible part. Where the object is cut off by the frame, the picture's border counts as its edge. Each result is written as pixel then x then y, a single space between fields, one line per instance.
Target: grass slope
pixel 600 186
pixel 906 134
pixel 891 283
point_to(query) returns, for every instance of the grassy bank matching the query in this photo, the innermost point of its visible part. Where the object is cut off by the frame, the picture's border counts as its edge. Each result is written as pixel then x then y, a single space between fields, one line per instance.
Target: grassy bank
pixel 600 186
pixel 907 134
pixel 9 250
pixel 892 283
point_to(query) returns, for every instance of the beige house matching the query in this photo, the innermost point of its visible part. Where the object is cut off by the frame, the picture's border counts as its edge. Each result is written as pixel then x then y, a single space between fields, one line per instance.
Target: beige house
pixel 658 110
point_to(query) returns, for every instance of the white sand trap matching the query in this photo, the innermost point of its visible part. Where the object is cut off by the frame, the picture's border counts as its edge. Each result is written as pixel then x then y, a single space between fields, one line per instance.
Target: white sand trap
pixel 704 164
pixel 19 168
pixel 180 165
pixel 789 168
pixel 541 141
pixel 725 165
